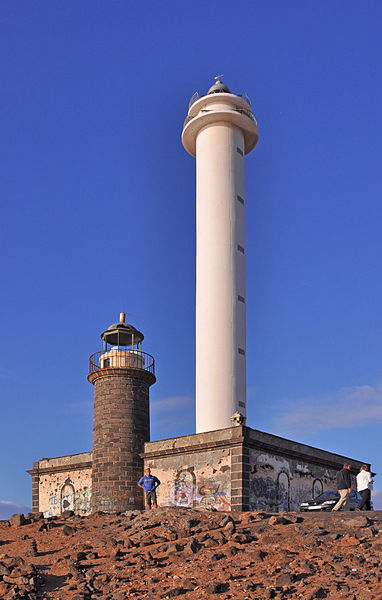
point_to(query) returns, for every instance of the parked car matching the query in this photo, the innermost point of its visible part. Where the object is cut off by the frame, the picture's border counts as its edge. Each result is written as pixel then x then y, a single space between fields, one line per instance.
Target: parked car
pixel 327 500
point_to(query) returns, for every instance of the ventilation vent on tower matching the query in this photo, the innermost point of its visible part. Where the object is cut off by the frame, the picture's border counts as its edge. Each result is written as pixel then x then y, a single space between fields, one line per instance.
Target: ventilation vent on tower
pixel 239 150
pixel 240 199
pixel 241 298
pixel 240 248
pixel 241 351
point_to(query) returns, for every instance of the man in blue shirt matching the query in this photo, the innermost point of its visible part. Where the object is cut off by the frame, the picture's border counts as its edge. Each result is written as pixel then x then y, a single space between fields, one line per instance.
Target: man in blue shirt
pixel 149 483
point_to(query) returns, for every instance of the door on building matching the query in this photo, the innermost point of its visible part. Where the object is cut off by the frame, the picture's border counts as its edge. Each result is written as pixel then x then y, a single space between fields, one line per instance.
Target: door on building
pixel 317 488
pixel 283 491
pixel 67 497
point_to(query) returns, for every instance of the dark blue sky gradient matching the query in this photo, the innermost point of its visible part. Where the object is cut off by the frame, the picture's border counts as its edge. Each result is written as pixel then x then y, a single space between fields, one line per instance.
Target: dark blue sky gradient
pixel 98 213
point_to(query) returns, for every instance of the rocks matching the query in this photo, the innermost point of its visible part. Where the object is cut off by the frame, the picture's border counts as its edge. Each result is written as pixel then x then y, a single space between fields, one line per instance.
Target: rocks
pixel 17 520
pixel 226 520
pixel 174 592
pixel 219 537
pixel 284 579
pixel 217 556
pixel 318 593
pixel 230 528
pixel 216 587
pixel 18 579
pixel 357 522
pixel 195 554
pixel 232 551
pixel 193 546
pixel 32 548
pixel 256 554
pixel 243 538
pixel 4 569
pixel 67 530
pixel 279 520
pixel 174 548
pixel 334 536
pixel 210 542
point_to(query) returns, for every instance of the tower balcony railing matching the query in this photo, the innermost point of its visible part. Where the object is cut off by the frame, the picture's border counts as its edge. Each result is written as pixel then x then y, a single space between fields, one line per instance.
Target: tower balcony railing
pixel 196 97
pixel 242 111
pixel 122 358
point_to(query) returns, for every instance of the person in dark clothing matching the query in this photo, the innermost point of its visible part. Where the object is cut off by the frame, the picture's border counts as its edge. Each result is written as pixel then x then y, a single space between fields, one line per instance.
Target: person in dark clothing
pixel 344 487
pixel 149 483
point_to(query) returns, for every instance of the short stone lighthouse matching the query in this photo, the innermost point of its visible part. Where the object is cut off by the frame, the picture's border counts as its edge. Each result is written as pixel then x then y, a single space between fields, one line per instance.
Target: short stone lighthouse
pixel 219 131
pixel 122 375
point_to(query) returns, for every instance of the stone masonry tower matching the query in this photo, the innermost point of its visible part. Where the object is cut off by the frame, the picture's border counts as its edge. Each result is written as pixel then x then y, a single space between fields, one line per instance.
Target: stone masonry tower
pixel 121 374
pixel 219 131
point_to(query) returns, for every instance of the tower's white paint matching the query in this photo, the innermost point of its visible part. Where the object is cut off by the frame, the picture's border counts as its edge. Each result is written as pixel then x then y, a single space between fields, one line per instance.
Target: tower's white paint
pixel 219 130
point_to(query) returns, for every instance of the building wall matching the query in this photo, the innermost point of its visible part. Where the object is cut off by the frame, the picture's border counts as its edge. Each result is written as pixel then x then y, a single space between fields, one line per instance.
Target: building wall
pixel 194 480
pixel 237 468
pixel 283 473
pixel 278 483
pixel 194 470
pixel 64 483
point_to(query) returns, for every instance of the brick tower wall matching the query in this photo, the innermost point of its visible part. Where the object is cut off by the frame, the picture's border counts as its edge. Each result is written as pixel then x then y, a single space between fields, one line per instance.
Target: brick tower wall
pixel 121 427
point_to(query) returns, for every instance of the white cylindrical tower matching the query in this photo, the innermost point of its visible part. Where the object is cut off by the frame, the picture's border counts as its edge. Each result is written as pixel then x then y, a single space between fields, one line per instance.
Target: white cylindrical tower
pixel 219 130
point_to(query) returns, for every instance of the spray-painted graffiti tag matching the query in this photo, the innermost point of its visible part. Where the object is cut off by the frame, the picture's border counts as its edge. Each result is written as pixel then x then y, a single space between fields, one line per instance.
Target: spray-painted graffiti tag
pixel 111 499
pixel 207 495
pixel 81 501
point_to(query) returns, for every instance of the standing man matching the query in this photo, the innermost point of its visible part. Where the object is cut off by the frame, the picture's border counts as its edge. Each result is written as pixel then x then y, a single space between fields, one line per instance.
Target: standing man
pixel 364 487
pixel 149 483
pixel 344 487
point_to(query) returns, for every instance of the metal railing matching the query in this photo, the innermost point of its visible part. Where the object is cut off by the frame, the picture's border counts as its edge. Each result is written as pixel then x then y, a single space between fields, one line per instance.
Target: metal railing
pixel 122 358
pixel 193 99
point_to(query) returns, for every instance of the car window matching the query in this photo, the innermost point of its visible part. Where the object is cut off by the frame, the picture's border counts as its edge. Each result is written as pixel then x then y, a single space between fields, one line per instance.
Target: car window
pixel 327 496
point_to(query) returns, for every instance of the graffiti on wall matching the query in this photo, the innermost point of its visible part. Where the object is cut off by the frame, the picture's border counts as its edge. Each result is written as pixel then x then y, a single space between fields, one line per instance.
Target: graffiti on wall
pixel 283 491
pixel 263 494
pixel 277 484
pixel 275 496
pixel 112 499
pixel 81 501
pixel 187 492
pixel 317 488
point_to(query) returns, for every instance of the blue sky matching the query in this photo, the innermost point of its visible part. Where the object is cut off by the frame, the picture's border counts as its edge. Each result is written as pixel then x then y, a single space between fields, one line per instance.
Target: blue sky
pixel 98 214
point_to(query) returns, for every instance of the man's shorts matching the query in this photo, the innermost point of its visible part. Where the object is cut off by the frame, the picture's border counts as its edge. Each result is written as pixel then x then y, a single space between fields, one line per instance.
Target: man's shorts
pixel 151 498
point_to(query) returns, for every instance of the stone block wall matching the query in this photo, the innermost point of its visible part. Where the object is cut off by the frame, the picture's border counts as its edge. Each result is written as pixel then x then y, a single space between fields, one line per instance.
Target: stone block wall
pixel 120 428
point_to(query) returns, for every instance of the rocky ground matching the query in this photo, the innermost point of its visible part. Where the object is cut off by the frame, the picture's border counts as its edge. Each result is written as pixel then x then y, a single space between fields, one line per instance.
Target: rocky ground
pixel 193 554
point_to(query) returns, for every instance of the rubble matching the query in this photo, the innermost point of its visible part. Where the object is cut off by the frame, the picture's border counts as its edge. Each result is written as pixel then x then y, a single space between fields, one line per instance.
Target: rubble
pixel 192 554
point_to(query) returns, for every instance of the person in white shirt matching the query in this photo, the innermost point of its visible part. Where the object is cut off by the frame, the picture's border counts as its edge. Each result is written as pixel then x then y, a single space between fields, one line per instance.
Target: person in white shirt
pixel 364 487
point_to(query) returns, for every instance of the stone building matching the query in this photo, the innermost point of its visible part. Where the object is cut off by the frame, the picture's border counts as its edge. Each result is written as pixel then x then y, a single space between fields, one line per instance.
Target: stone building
pixel 237 468
pixel 234 468
pixel 225 465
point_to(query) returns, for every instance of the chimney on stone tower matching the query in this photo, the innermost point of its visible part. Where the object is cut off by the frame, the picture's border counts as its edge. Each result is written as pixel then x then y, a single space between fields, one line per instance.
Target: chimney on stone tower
pixel 122 375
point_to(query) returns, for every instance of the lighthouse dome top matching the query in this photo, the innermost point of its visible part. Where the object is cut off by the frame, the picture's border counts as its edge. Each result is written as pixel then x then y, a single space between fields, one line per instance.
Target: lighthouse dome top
pixel 122 334
pixel 218 88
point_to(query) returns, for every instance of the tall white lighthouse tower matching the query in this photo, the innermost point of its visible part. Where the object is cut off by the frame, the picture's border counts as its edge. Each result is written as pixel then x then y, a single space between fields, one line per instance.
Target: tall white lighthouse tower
pixel 219 131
